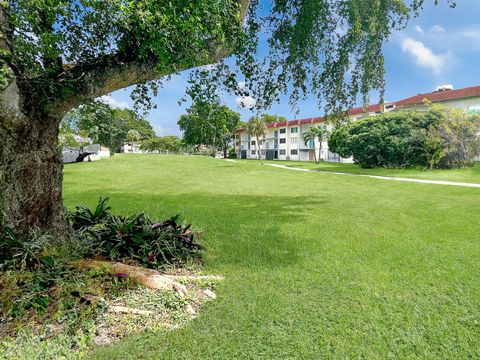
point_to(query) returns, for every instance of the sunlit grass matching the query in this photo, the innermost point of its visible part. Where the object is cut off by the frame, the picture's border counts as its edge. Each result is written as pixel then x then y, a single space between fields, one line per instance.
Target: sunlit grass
pixel 468 174
pixel 316 265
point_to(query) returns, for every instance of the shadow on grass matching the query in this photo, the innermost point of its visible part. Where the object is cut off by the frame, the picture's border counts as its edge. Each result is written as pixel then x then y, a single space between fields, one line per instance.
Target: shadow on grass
pixel 227 222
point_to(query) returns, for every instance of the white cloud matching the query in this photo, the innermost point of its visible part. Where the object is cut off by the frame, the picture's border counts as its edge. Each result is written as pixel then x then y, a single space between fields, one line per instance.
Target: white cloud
pixel 469 38
pixel 247 102
pixel 418 29
pixel 241 85
pixel 437 29
pixel 460 39
pixel 115 104
pixel 424 56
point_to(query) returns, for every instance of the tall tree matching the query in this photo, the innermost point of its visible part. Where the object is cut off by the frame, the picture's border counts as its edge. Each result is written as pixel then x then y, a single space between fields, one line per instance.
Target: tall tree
pixel 209 124
pixel 58 54
pixel 130 120
pixel 133 136
pixel 267 118
pixel 257 128
pixel 226 121
pixel 311 135
pixel 105 125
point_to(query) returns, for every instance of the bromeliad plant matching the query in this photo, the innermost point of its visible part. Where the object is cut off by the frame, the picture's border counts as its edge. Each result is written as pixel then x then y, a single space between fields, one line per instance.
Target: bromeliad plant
pixel 152 244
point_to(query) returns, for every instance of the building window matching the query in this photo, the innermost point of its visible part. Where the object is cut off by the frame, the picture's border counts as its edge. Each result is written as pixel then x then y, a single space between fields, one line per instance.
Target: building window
pixel 282 152
pixel 293 152
pixel 293 140
pixel 283 130
pixel 253 152
pixel 253 142
pixel 294 130
pixel 263 152
pixel 283 141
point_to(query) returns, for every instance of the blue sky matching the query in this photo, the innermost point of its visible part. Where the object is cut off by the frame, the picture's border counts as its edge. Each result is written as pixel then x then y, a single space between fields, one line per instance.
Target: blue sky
pixel 441 46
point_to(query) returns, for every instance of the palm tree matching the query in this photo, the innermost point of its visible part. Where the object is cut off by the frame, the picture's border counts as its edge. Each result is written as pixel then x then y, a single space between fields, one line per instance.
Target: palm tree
pixel 257 127
pixel 312 134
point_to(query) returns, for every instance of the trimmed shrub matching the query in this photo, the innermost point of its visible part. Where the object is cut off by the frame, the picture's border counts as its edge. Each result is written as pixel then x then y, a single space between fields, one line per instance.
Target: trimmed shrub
pixel 439 137
pixel 391 140
pixel 232 154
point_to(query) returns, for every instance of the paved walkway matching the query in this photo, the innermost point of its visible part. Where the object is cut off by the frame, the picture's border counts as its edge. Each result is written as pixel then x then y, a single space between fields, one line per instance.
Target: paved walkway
pixel 391 178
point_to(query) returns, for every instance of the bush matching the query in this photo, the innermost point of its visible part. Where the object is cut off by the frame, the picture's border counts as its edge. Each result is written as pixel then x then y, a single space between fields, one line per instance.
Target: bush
pixel 390 140
pixel 459 134
pixel 23 254
pixel 49 306
pixel 172 144
pixel 152 244
pixel 439 137
pixel 36 272
pixel 232 154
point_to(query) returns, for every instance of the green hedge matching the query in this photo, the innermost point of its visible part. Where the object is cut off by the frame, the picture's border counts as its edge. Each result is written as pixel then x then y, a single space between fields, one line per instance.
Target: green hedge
pixel 440 137
pixel 394 139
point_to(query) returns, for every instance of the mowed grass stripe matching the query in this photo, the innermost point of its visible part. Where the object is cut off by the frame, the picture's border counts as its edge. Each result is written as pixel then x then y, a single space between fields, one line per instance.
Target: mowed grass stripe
pixel 316 265
pixel 466 175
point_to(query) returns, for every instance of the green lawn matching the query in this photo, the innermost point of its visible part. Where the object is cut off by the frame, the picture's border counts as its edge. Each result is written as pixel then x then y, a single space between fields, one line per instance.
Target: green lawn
pixel 316 265
pixel 471 174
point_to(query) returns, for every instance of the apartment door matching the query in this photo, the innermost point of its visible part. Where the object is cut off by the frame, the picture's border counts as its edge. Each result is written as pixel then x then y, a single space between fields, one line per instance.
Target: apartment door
pixel 270 154
pixel 311 155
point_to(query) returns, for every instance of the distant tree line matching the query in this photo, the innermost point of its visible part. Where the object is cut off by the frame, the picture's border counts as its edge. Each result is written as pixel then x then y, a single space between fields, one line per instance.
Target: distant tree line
pixel 104 125
pixel 171 144
pixel 209 124
pixel 438 138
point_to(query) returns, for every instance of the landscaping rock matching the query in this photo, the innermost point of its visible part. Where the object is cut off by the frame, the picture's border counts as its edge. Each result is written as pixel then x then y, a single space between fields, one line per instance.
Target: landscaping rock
pixel 102 338
pixel 127 310
pixel 209 293
pixel 191 310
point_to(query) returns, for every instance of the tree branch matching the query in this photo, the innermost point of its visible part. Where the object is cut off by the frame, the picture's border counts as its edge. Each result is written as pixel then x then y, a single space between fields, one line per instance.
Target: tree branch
pixel 117 71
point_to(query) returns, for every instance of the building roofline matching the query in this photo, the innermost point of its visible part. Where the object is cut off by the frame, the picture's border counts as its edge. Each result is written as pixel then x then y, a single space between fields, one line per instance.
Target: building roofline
pixel 434 96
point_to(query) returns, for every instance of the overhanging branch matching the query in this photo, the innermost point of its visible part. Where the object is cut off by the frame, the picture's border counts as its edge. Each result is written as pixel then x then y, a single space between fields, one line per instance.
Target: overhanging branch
pixel 114 72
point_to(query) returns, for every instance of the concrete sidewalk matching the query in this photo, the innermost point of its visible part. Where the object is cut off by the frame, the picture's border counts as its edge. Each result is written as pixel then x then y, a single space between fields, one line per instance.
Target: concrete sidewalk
pixel 391 178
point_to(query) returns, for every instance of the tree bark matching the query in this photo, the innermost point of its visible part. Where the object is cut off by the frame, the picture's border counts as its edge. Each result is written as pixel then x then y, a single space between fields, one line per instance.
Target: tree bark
pixel 30 162
pixel 319 153
pixel 258 150
pixel 31 177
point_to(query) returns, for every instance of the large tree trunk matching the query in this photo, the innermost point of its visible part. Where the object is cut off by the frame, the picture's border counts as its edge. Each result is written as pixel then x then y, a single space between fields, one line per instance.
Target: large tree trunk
pixel 31 175
pixel 30 163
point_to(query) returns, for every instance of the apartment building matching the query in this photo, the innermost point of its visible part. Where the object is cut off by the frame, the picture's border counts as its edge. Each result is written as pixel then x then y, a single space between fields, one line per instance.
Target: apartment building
pixel 284 140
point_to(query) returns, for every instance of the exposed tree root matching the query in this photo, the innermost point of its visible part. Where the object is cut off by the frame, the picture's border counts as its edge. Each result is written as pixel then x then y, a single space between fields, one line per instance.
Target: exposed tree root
pixel 149 278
